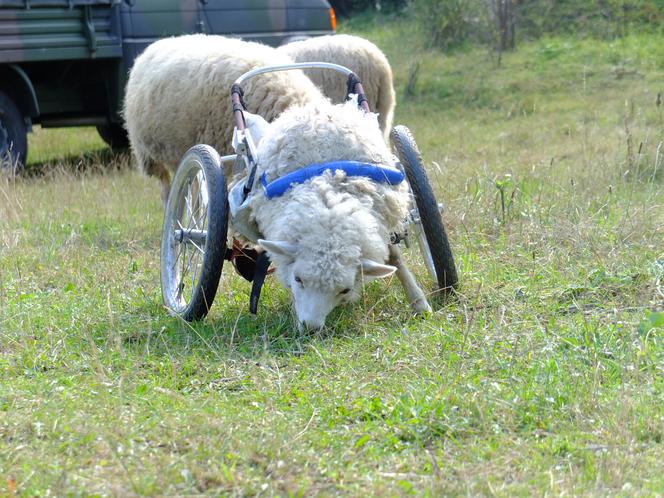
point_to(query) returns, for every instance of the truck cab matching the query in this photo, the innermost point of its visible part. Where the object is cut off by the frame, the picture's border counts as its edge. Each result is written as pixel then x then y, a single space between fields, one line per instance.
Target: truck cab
pixel 66 62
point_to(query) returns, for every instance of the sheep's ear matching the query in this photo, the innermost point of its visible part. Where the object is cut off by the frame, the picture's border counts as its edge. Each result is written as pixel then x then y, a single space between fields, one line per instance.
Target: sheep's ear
pixel 376 270
pixel 279 247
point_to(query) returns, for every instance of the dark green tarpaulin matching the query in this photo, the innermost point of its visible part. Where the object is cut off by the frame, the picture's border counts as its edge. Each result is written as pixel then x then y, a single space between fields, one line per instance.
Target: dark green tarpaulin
pixel 28 4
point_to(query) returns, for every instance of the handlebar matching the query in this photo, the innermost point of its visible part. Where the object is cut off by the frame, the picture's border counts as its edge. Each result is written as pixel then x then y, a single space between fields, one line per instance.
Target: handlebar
pixel 354 85
pixel 288 67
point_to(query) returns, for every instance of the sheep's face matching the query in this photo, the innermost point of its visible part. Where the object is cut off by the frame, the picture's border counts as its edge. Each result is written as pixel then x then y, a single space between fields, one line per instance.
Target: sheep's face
pixel 319 282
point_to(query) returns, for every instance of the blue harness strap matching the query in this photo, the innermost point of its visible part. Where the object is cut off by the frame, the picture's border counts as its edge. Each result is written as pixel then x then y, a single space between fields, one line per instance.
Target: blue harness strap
pixel 377 173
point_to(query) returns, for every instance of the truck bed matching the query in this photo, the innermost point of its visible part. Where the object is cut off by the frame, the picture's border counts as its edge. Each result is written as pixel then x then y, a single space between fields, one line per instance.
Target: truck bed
pixel 38 30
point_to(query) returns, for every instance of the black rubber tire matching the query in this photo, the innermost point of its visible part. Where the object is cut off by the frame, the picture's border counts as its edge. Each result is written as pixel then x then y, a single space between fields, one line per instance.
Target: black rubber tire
pixel 114 135
pixel 432 221
pixel 13 135
pixel 214 249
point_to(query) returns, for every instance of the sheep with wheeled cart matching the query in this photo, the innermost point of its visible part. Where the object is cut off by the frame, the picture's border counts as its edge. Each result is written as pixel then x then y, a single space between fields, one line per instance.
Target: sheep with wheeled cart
pixel 325 191
pixel 317 189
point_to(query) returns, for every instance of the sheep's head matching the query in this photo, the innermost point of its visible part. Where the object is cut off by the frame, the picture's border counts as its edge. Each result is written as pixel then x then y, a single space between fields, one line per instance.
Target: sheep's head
pixel 320 280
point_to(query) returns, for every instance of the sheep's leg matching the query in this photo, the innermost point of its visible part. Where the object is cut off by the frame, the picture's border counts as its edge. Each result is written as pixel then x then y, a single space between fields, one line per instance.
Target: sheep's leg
pixel 165 179
pixel 415 295
pixel 151 167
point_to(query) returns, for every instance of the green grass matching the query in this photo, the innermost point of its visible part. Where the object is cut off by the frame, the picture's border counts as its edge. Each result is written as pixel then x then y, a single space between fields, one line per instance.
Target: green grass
pixel 544 376
pixel 50 146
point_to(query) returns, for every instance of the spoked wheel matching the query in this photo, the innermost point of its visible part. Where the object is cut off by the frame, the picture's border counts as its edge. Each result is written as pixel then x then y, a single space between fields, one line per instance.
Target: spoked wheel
pixel 193 242
pixel 425 219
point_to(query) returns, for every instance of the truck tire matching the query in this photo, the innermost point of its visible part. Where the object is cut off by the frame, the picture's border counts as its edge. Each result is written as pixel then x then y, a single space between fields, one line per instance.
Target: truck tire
pixel 13 135
pixel 114 135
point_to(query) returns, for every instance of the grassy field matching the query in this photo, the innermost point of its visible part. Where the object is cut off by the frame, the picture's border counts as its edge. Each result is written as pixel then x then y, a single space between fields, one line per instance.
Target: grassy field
pixel 544 376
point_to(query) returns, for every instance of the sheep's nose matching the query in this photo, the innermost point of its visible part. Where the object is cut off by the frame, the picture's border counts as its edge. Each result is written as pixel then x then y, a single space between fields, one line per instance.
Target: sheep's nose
pixel 311 325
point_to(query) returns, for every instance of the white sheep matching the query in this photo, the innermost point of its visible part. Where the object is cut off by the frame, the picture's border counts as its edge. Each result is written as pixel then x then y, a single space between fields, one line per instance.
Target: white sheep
pixel 324 235
pixel 359 55
pixel 178 92
pixel 329 233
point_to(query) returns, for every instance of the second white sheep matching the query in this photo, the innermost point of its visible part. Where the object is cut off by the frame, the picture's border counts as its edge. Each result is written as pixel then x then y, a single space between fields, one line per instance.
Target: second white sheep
pixel 359 55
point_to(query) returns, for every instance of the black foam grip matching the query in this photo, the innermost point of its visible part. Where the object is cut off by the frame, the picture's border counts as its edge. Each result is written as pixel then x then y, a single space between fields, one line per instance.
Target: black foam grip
pixel 235 88
pixel 353 80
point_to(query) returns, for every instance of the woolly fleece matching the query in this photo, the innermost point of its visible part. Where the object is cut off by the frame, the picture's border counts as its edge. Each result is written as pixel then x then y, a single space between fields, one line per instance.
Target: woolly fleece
pixel 361 56
pixel 178 95
pixel 334 220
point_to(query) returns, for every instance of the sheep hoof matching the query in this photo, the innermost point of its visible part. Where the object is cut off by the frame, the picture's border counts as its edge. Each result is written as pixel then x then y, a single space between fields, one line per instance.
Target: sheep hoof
pixel 421 307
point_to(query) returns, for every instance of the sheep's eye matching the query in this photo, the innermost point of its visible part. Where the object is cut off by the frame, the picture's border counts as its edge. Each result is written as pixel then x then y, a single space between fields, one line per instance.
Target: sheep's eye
pixel 298 280
pixel 345 291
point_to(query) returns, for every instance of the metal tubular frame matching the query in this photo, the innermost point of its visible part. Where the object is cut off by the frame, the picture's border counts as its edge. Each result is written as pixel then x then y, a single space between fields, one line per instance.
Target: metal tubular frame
pixel 237 93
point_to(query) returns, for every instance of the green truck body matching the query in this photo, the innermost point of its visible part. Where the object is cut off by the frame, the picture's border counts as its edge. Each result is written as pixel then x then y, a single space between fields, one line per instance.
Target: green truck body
pixel 66 62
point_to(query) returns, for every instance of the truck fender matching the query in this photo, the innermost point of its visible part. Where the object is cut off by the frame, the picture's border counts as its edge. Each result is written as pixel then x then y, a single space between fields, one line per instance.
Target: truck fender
pixel 17 85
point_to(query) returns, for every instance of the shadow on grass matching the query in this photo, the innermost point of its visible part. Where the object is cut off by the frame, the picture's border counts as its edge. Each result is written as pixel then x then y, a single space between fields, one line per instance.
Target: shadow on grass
pixel 235 334
pixel 230 332
pixel 98 161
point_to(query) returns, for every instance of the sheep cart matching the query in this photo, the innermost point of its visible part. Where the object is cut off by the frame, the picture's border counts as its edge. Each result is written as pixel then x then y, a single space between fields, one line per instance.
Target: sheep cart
pixel 196 220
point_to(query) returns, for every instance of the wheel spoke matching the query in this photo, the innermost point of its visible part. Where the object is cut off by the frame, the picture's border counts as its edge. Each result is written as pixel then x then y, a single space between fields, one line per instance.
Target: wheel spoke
pixel 198 248
pixel 193 204
pixel 187 270
pixel 195 207
pixel 201 202
pixel 185 254
pixel 185 210
pixel 177 258
pixel 180 286
pixel 194 273
pixel 204 221
pixel 200 188
pixel 189 253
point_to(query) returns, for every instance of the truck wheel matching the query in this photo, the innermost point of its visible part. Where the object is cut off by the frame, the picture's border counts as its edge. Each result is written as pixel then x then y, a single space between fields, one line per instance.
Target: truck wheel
pixel 13 135
pixel 114 135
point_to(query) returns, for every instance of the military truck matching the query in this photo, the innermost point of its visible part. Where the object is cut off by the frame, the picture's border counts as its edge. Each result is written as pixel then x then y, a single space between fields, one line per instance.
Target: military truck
pixel 65 62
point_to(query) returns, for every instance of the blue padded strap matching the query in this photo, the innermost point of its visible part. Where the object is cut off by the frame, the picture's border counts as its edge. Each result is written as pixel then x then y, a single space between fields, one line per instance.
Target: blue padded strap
pixel 375 172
